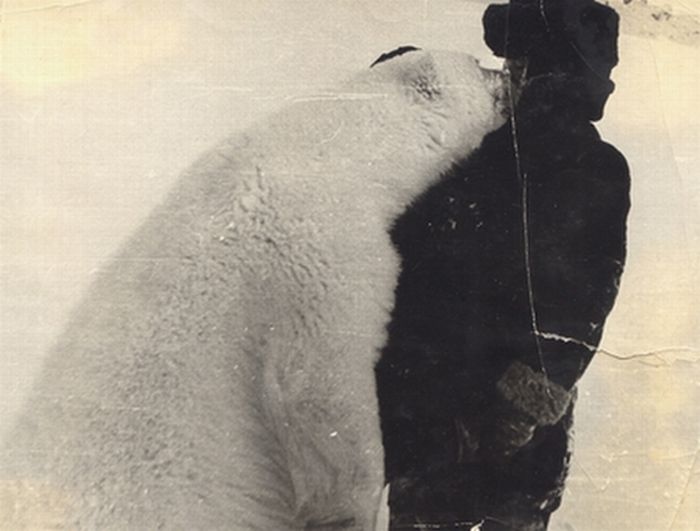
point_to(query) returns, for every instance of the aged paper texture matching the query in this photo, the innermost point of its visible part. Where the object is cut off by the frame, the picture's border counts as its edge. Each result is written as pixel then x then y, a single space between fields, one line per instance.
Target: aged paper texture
pixel 104 102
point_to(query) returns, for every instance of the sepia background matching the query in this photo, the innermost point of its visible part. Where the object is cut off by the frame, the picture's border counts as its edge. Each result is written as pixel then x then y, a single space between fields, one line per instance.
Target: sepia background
pixel 104 102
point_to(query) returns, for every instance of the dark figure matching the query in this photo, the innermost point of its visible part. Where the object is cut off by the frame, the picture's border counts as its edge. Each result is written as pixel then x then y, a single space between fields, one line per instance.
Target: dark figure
pixel 510 268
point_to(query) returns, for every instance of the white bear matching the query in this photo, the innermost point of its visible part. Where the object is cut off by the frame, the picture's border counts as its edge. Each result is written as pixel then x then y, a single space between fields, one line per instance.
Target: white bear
pixel 220 371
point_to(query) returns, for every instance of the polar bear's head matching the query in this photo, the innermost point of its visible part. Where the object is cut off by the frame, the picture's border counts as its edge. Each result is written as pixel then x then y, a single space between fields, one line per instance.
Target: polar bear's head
pixel 446 105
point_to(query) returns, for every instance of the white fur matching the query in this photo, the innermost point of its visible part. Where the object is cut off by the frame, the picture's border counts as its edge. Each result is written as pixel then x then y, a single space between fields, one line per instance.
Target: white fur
pixel 220 372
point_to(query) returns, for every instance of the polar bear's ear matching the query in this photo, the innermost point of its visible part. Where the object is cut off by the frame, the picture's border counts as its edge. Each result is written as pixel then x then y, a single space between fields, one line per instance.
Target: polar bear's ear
pixel 394 53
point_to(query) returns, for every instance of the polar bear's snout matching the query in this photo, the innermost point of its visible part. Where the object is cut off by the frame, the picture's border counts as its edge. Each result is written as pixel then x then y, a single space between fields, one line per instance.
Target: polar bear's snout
pixel 497 85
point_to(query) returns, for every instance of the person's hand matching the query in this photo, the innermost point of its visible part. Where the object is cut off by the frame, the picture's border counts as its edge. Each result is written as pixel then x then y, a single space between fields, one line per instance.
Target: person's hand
pixel 496 435
pixel 505 432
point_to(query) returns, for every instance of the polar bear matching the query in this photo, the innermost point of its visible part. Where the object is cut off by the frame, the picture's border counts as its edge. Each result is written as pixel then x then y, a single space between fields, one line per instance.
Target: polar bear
pixel 220 371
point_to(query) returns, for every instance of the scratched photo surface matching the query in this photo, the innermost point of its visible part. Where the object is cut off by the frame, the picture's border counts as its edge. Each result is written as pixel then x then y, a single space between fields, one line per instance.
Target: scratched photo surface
pixel 103 103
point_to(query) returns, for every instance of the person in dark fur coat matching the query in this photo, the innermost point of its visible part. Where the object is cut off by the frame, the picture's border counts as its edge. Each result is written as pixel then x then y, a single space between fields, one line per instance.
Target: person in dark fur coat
pixel 511 265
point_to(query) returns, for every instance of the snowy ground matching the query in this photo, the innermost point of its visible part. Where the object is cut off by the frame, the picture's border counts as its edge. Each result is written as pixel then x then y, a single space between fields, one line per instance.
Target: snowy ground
pixel 102 103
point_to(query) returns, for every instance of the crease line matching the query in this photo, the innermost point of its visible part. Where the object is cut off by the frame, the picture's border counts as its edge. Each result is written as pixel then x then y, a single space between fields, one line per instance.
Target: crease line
pixel 525 215
pixel 684 494
pixel 77 3
pixel 592 348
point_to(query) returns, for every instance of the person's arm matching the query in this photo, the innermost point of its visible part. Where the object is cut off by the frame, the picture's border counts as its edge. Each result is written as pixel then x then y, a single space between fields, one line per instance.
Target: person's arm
pixel 578 223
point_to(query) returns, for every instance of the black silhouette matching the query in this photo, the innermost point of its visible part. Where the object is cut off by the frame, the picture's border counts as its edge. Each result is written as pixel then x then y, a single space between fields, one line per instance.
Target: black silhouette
pixel 510 267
